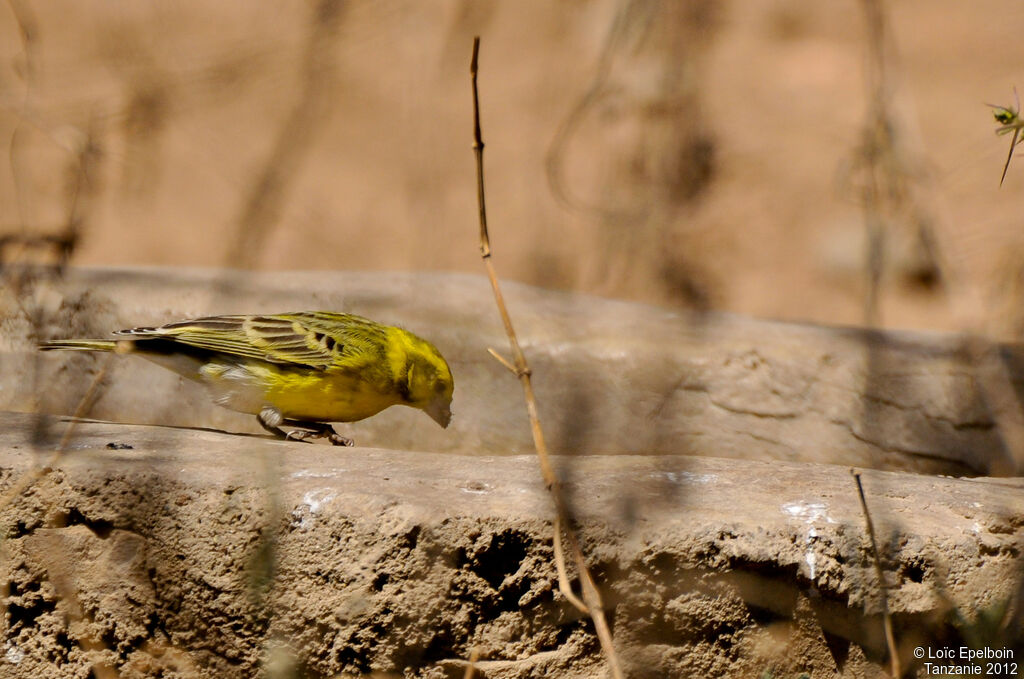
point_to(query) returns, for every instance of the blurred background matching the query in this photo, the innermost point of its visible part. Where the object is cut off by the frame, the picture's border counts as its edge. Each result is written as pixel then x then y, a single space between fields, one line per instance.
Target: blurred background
pixel 829 162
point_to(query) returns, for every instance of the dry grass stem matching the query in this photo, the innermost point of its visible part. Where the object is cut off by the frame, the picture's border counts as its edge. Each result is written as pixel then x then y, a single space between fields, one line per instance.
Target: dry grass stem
pixel 504 361
pixel 591 596
pixel 563 579
pixel 890 637
pixel 474 655
pixel 882 177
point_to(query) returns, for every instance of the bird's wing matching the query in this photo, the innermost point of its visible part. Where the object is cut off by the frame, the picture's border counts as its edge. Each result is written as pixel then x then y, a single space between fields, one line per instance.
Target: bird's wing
pixel 316 339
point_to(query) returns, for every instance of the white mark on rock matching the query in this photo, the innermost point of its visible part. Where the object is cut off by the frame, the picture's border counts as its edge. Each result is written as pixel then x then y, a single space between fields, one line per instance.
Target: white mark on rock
pixel 614 353
pixel 310 474
pixel 315 499
pixel 977 528
pixel 476 487
pixel 13 654
pixel 809 513
pixel 312 502
pixel 684 477
pixel 810 557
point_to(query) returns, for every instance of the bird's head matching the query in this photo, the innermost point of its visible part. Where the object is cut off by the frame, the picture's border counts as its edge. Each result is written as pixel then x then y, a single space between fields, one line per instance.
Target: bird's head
pixel 428 382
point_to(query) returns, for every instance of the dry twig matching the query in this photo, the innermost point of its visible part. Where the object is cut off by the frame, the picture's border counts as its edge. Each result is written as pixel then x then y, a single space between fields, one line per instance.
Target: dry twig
pixel 474 655
pixel 885 176
pixel 890 638
pixel 591 603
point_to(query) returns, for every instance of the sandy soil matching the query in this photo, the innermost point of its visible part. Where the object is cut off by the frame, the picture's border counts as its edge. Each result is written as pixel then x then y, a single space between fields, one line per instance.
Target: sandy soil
pixel 382 563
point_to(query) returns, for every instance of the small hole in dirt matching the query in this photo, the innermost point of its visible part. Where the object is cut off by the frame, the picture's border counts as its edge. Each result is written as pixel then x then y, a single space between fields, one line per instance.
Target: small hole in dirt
pixel 459 559
pixel 63 641
pixel 411 539
pixel 440 647
pixel 501 557
pixel 27 616
pixel 563 634
pixel 914 572
pixel 725 642
pixel 380 581
pixel 353 660
pixel 663 563
pixel 153 625
pixel 110 641
pixel 100 527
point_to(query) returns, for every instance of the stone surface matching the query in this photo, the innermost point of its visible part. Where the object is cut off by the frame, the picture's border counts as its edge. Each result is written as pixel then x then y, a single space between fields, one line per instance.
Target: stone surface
pixel 690 447
pixel 170 552
pixel 612 377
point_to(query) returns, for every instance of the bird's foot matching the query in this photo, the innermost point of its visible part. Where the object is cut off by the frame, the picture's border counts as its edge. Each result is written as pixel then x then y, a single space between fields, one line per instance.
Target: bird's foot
pixel 337 439
pixel 327 431
pixel 301 435
pixel 271 419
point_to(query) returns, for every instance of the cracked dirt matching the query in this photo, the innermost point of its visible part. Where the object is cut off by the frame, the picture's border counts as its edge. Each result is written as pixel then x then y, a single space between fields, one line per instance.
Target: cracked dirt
pixel 154 560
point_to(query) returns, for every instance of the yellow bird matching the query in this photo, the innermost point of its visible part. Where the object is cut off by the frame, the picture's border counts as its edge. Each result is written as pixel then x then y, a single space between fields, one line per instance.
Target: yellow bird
pixel 300 369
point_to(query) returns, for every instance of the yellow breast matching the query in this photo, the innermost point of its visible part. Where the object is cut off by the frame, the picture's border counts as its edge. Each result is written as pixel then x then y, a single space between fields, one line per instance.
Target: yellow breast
pixel 300 394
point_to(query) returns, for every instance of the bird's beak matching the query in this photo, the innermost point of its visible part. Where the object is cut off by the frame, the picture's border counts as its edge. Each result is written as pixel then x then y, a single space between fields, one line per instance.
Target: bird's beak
pixel 440 411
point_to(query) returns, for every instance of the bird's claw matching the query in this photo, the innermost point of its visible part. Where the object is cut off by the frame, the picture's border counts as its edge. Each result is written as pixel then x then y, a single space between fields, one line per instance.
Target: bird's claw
pixel 299 435
pixel 270 418
pixel 337 439
pixel 327 432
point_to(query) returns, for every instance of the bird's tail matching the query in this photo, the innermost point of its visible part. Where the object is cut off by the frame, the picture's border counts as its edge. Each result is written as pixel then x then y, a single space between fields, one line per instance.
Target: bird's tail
pixel 118 346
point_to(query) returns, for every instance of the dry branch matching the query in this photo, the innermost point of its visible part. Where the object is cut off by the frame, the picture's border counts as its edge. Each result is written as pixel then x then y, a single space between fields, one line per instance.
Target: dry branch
pixel 890 638
pixel 591 603
pixel 474 656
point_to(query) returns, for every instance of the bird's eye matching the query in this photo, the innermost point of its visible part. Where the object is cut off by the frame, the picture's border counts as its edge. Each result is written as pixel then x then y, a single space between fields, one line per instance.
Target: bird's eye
pixel 441 386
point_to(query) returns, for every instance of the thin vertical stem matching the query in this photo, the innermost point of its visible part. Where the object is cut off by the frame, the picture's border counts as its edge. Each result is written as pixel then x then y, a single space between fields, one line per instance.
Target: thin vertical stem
pixel 890 637
pixel 519 366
